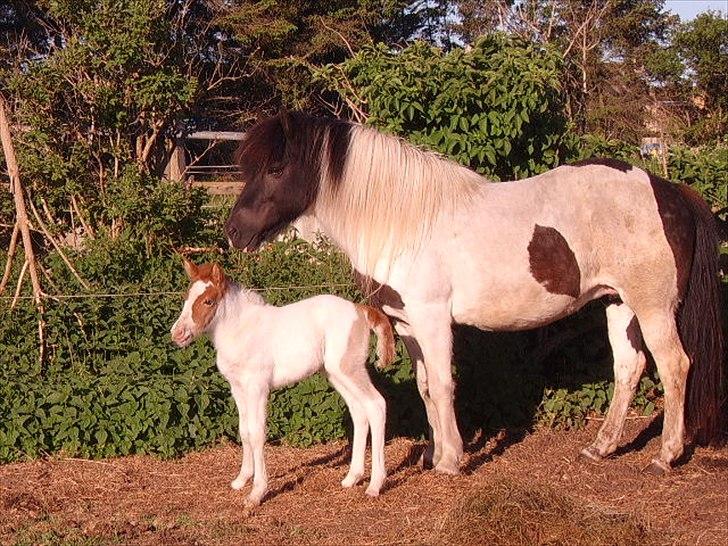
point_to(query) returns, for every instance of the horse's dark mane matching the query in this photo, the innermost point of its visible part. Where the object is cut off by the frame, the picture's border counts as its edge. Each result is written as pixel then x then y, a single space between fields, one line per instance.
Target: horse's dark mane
pixel 263 146
pixel 295 136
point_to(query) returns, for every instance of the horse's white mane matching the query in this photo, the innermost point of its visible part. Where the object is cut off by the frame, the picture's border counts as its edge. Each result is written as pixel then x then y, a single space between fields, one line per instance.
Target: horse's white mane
pixel 390 197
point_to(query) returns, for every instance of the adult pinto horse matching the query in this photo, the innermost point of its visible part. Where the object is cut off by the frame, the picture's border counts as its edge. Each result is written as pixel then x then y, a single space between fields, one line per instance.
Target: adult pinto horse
pixel 439 244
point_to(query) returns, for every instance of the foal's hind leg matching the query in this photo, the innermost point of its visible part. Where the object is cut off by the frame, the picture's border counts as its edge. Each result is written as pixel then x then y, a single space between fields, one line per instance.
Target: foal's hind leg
pixel 661 337
pixel 361 430
pixel 356 382
pixel 629 362
pixel 246 468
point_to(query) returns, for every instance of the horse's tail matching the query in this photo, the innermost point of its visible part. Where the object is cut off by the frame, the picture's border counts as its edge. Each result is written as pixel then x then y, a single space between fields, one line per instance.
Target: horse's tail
pixel 379 322
pixel 701 328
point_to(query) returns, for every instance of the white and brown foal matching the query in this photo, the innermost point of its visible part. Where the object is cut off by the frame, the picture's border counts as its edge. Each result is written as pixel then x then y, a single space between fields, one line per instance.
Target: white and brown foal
pixel 262 347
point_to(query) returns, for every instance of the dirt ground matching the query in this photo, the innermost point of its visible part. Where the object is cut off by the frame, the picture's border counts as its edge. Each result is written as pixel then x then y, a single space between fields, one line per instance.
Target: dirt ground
pixel 546 495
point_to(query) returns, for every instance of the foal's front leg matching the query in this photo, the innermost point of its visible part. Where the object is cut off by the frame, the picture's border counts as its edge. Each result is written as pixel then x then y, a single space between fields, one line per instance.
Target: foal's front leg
pixel 257 405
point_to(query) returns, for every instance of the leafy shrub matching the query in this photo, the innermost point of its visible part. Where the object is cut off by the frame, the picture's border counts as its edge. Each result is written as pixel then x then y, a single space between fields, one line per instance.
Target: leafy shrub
pixel 496 108
pixel 112 383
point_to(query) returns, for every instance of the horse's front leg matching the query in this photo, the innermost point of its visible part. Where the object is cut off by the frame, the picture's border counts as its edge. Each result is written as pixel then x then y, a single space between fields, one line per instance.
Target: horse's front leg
pixel 431 325
pixel 432 453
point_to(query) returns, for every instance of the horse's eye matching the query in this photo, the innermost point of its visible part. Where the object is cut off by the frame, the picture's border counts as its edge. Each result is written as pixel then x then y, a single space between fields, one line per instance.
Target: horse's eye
pixel 208 302
pixel 276 171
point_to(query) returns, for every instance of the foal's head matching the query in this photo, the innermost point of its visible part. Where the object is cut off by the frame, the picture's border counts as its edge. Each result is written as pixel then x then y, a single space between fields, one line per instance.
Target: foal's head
pixel 208 285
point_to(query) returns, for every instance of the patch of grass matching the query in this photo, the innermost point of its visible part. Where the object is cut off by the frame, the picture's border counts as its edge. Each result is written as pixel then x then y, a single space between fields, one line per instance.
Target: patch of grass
pixel 54 537
pixel 514 513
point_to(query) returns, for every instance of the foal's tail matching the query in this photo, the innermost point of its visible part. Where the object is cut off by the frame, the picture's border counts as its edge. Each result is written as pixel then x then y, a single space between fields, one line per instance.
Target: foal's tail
pixel 701 329
pixel 385 336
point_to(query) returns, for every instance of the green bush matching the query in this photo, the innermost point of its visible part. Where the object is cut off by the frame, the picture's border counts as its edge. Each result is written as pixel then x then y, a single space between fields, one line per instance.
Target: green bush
pixel 496 108
pixel 112 383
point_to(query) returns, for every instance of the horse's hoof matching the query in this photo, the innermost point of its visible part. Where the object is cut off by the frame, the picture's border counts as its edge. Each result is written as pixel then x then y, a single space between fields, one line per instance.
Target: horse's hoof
pixel 658 467
pixel 451 469
pixel 426 459
pixel 591 454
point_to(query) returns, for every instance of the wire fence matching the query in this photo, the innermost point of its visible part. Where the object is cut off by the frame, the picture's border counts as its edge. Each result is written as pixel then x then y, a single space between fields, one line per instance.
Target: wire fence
pixel 173 293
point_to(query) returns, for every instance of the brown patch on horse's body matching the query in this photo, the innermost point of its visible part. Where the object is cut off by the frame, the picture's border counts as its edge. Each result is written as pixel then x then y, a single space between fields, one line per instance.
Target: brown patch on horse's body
pixel 607 162
pixel 553 263
pixel 634 335
pixel 679 225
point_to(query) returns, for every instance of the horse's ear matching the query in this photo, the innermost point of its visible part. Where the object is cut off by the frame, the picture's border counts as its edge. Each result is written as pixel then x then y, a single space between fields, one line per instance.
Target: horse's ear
pixel 190 269
pixel 218 276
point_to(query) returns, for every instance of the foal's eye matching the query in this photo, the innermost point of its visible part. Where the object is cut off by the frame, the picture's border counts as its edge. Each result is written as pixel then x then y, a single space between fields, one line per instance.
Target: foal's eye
pixel 276 171
pixel 208 302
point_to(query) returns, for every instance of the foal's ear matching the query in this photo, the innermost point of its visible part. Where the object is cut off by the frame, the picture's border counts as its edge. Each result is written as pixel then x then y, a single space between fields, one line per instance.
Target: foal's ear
pixel 190 269
pixel 218 276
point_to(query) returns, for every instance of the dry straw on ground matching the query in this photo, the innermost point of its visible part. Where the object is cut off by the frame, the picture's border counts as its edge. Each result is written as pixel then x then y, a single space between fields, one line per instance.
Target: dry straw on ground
pixel 515 490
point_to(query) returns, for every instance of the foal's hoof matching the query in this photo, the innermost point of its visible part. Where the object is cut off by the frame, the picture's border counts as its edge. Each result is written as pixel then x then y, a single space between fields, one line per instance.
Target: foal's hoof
pixel 238 483
pixel 351 480
pixel 252 501
pixel 658 467
pixel 591 454
pixel 372 491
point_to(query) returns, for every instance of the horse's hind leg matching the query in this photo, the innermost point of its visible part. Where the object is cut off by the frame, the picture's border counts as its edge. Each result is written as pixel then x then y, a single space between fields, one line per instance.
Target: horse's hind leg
pixel 661 338
pixel 629 362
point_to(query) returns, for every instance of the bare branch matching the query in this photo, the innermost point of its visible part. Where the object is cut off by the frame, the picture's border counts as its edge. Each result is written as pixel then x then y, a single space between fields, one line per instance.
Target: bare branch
pixel 11 253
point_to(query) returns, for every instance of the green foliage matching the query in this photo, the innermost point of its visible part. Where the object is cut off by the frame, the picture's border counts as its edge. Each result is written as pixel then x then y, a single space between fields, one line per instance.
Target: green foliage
pixel 703 45
pixel 112 383
pixel 705 169
pixel 496 108
pixel 115 78
pixel 591 145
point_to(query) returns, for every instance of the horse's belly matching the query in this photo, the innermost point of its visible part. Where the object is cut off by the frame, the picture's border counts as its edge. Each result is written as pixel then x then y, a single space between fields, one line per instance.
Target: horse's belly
pixel 508 311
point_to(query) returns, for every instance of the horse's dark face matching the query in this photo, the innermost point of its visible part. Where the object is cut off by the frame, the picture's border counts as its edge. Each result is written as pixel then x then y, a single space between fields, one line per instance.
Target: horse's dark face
pixel 279 164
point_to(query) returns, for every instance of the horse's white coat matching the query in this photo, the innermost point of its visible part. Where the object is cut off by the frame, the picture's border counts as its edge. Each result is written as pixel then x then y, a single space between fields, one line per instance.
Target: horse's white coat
pixel 262 347
pixel 455 248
